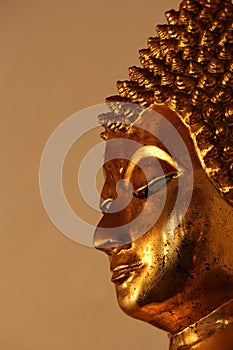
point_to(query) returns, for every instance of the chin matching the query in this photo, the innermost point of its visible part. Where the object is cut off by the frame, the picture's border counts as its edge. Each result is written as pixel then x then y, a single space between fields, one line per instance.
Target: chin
pixel 153 313
pixel 132 301
pixel 146 313
pixel 128 297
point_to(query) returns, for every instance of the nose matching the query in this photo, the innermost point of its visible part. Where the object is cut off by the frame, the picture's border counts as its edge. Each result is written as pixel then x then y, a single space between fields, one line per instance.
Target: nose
pixel 113 231
pixel 111 238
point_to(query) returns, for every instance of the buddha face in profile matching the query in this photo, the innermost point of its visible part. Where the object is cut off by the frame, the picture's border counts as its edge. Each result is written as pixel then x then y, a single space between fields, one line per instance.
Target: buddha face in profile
pixel 167 225
pixel 166 265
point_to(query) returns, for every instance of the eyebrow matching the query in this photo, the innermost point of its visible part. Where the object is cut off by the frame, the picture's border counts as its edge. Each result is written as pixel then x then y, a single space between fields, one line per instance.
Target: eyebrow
pixel 150 151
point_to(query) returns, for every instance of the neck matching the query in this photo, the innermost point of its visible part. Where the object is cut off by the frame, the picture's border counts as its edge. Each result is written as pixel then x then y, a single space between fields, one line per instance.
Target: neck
pixel 212 332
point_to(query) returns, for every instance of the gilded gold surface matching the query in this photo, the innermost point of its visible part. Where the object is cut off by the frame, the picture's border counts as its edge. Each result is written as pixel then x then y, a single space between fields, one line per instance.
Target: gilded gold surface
pixel 173 276
pixel 168 277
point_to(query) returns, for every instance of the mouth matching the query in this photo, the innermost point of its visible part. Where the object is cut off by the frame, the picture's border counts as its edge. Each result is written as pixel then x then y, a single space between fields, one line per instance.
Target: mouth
pixel 123 272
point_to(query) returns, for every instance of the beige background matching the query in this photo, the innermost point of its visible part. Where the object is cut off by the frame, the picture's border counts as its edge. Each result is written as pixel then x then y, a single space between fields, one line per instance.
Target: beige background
pixel 58 57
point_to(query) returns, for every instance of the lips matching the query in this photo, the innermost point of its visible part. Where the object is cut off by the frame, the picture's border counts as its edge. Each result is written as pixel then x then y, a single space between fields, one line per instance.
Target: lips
pixel 121 273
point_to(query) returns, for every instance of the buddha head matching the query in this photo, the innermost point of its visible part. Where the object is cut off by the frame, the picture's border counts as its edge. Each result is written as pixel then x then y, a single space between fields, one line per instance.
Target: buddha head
pixel 168 193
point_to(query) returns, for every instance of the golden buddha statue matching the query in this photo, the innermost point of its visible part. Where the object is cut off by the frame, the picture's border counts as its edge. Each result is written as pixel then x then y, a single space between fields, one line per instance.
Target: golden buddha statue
pixel 175 272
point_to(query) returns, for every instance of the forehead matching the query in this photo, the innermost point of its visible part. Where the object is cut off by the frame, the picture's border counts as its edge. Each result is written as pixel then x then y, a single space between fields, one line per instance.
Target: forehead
pixel 137 148
pixel 145 132
pixel 119 150
pixel 152 129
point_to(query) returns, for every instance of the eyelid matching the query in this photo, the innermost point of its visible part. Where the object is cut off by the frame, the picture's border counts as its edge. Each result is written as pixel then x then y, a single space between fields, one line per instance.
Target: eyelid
pixel 104 207
pixel 161 179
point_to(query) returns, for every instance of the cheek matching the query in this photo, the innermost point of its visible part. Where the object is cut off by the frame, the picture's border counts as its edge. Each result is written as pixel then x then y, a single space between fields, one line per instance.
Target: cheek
pixel 163 253
pixel 151 211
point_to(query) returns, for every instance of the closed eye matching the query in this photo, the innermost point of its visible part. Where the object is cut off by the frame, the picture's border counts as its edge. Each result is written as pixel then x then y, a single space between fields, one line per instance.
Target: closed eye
pixel 153 186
